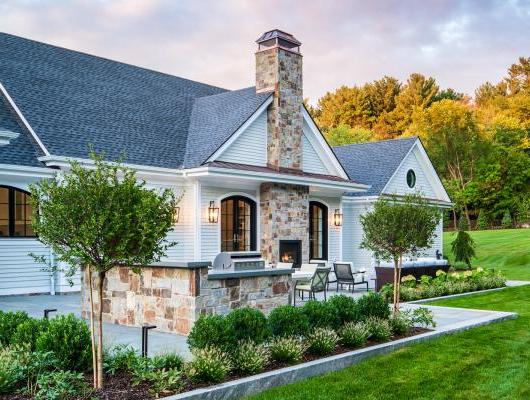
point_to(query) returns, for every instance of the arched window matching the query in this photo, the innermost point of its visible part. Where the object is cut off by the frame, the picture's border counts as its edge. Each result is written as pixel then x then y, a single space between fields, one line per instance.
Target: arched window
pixel 318 231
pixel 238 224
pixel 15 213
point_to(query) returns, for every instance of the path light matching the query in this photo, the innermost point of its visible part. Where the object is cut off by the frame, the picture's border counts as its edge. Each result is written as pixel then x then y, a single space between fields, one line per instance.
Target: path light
pixel 337 218
pixel 213 213
pixel 176 215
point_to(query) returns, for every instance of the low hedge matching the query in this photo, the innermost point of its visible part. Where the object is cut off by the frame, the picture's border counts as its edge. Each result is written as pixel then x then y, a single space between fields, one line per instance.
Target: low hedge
pixel 445 284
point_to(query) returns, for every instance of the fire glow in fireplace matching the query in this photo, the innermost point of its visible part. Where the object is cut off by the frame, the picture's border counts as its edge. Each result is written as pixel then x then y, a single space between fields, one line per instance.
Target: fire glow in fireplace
pixel 291 252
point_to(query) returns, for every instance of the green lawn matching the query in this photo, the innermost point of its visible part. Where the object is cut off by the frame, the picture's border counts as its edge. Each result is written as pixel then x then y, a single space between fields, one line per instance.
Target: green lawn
pixel 507 250
pixel 490 362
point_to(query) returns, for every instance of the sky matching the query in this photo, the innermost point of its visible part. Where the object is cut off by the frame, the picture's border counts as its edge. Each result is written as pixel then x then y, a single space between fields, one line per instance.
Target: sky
pixel 460 43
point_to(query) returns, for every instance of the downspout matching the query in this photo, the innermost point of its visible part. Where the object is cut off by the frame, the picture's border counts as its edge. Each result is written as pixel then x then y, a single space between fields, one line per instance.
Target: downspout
pixel 51 257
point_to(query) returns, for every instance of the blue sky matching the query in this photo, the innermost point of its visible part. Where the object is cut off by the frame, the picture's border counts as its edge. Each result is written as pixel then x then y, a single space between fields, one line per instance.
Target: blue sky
pixel 460 43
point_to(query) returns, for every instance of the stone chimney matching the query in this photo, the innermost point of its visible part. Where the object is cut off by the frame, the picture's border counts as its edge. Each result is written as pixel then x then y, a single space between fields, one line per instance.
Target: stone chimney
pixel 279 69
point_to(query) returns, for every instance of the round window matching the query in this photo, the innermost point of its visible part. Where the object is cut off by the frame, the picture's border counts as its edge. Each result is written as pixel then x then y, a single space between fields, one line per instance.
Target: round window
pixel 411 178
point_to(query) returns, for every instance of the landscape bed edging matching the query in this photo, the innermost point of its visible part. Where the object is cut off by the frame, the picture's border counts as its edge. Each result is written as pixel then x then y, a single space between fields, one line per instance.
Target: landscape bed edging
pixel 258 383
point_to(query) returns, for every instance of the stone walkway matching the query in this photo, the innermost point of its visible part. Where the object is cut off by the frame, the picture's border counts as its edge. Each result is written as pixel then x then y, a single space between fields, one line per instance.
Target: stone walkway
pixel 160 342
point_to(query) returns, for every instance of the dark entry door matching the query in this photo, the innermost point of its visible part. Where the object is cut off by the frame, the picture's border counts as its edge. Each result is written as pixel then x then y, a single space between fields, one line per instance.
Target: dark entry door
pixel 238 224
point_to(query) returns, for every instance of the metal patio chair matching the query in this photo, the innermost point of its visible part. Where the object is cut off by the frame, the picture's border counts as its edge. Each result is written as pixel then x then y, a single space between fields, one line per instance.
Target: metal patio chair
pixel 317 284
pixel 347 276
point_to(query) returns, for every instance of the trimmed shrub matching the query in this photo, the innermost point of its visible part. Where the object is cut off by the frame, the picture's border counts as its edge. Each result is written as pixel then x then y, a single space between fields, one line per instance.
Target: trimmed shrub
pixel 11 375
pixel 28 332
pixel 288 321
pixel 354 334
pixel 120 358
pixel 322 341
pixel 401 323
pixel 247 324
pixel 68 338
pixel 210 330
pixel 380 329
pixel 321 314
pixel 250 358
pixel 288 350
pixel 9 322
pixel 482 220
pixel 346 308
pixel 373 305
pixel 59 385
pixel 210 365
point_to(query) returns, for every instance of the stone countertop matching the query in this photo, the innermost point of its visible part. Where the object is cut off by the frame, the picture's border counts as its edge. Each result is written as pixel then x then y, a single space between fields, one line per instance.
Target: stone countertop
pixel 224 274
pixel 180 264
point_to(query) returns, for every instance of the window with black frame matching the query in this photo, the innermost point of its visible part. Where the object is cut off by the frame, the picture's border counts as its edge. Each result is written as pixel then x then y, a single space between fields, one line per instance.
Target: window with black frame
pixel 15 213
pixel 238 224
pixel 318 231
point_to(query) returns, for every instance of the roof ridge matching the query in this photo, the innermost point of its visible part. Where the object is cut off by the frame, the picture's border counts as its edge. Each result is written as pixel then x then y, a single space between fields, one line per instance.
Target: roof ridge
pixel 377 141
pixel 111 60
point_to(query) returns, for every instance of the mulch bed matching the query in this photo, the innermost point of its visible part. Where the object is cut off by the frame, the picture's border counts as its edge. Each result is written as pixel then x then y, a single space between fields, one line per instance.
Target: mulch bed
pixel 119 387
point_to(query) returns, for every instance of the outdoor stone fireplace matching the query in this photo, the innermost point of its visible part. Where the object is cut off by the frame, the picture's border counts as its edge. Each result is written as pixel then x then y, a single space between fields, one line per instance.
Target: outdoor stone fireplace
pixel 291 252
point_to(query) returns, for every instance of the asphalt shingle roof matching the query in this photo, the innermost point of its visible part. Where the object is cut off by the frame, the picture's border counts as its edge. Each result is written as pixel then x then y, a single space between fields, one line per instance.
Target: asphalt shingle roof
pixel 19 151
pixel 373 163
pixel 73 100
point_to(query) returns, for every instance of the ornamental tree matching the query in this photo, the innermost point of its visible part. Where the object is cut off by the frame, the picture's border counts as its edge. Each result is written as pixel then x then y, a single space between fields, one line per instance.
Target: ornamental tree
pixel 98 218
pixel 399 226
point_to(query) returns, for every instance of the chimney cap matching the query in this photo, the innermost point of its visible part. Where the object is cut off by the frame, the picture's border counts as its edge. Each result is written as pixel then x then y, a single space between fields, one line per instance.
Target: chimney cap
pixel 277 37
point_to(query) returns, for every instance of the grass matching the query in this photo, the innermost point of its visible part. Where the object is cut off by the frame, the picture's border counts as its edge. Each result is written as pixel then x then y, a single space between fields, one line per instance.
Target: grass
pixel 504 249
pixel 489 362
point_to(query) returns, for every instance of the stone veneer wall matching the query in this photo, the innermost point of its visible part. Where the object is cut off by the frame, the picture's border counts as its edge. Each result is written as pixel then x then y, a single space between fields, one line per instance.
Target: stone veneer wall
pixel 284 215
pixel 173 298
pixel 280 70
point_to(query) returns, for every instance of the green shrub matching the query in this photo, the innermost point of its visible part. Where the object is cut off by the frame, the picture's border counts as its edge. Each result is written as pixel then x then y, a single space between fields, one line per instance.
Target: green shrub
pixel 354 334
pixel 32 365
pixel 422 317
pixel 288 321
pixel 322 341
pixel 209 365
pixel 321 314
pixel 247 324
pixel 379 329
pixel 401 323
pixel 68 338
pixel 460 266
pixel 463 247
pixel 288 350
pixel 120 358
pixel 373 305
pixel 28 332
pixel 210 330
pixel 59 385
pixel 9 322
pixel 167 361
pixel 250 358
pixel 11 375
pixel 482 220
pixel 507 222
pixel 346 308
pixel 165 382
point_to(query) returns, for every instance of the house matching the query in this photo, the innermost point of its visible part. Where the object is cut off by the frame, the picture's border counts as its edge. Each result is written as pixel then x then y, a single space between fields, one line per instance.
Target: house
pixel 254 171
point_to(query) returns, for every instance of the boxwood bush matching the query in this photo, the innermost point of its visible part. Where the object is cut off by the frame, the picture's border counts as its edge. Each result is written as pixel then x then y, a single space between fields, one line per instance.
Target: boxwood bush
pixel 9 322
pixel 321 314
pixel 210 330
pixel 247 324
pixel 346 308
pixel 373 305
pixel 68 337
pixel 28 332
pixel 288 321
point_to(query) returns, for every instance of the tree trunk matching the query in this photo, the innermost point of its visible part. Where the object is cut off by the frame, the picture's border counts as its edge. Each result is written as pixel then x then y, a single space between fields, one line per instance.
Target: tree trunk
pixel 101 276
pixel 398 295
pixel 92 330
pixel 396 298
pixel 455 221
pixel 466 212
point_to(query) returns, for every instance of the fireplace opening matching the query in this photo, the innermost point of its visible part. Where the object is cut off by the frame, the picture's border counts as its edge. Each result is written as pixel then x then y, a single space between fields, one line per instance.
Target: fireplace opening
pixel 291 252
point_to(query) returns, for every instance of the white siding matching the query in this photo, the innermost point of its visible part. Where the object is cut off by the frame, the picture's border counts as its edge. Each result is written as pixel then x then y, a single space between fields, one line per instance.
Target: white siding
pixel 334 232
pixel 310 159
pixel 183 231
pixel 251 146
pixel 352 235
pixel 438 241
pixel 398 183
pixel 210 233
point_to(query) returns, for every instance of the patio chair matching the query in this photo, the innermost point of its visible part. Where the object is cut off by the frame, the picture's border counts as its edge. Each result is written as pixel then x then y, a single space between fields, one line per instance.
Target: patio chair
pixel 318 283
pixel 346 275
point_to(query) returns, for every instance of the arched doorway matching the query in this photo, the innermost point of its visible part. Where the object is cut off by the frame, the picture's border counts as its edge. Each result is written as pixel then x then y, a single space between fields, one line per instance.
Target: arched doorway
pixel 318 231
pixel 238 224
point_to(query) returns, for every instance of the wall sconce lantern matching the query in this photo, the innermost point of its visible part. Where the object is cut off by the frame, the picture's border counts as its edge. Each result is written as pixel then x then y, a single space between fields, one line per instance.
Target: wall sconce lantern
pixel 337 218
pixel 213 213
pixel 176 215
